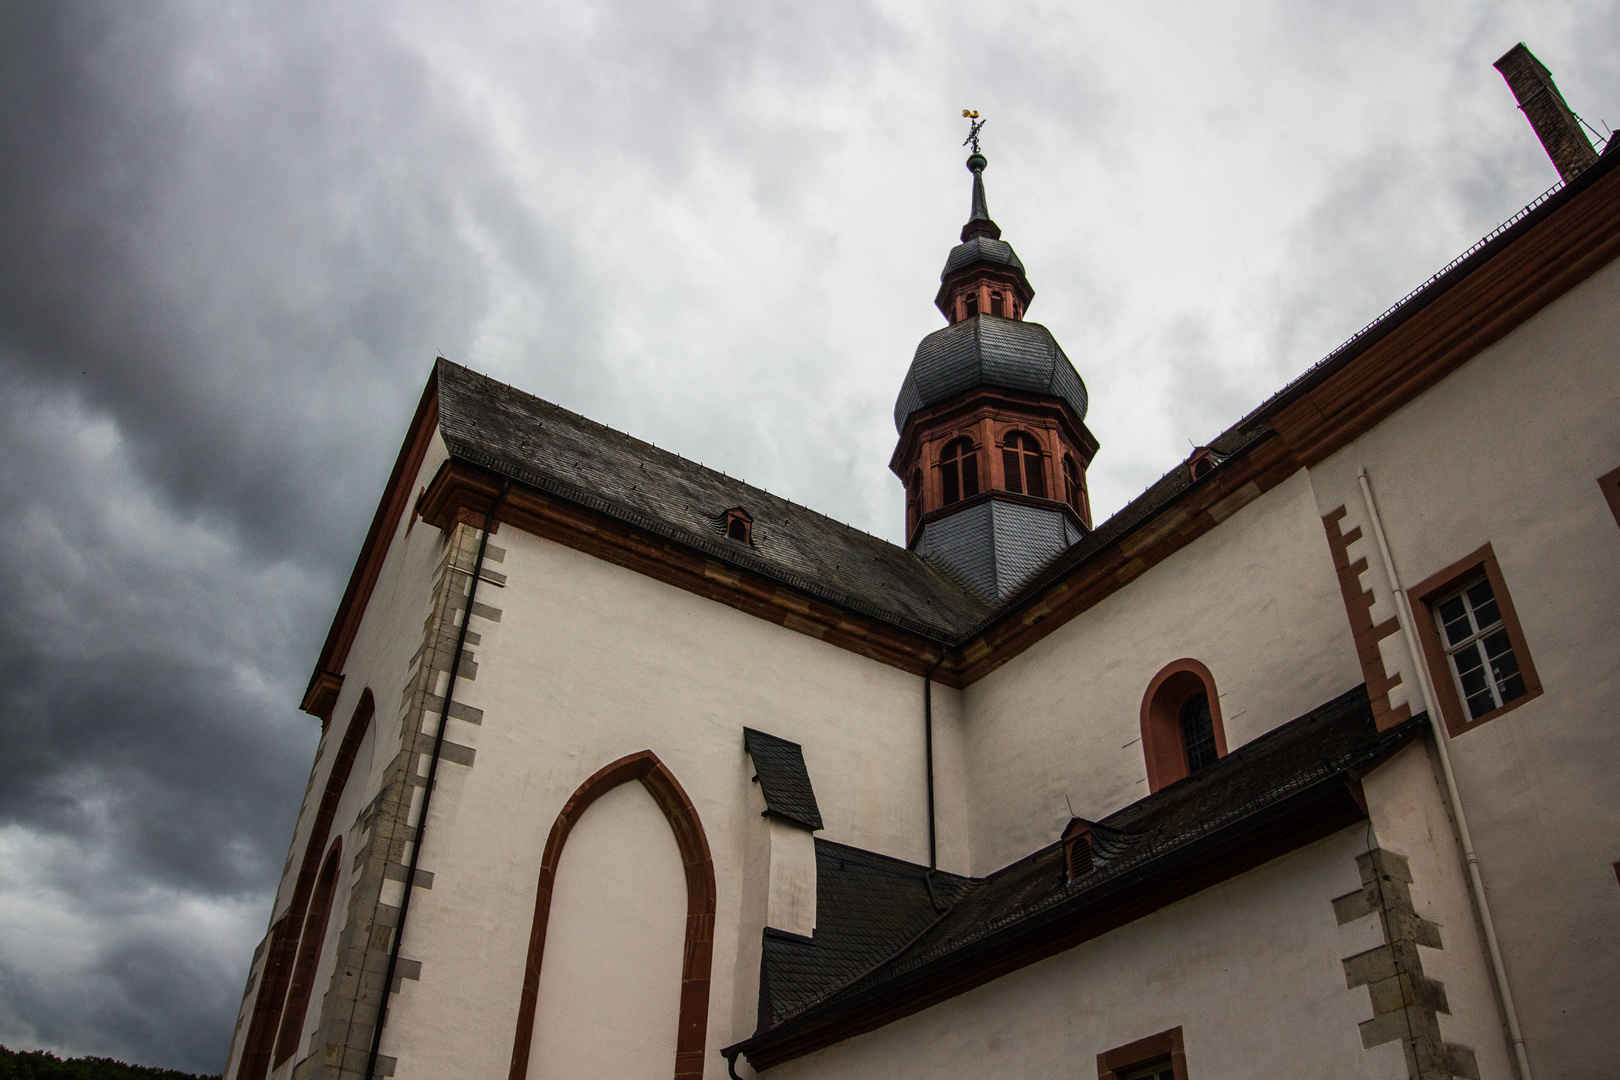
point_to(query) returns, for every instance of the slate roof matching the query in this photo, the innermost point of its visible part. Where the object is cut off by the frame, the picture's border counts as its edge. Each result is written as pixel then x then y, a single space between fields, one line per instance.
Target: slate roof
pixel 867 906
pixel 988 350
pixel 876 929
pixel 546 447
pixel 783 779
pixel 981 249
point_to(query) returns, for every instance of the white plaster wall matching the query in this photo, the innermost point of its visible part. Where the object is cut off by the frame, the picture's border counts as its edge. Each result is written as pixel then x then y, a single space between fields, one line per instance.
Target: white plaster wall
pixel 792 903
pixel 1250 970
pixel 1507 450
pixel 591 662
pixel 1407 809
pixel 1255 600
pixel 610 989
pixel 379 659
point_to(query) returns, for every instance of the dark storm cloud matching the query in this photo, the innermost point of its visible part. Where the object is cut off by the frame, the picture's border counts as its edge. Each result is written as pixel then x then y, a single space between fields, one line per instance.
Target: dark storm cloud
pixel 200 389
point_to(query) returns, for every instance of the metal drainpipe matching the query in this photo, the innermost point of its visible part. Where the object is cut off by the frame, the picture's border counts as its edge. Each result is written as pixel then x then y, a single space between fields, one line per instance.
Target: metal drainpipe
pixel 928 749
pixel 1403 610
pixel 427 792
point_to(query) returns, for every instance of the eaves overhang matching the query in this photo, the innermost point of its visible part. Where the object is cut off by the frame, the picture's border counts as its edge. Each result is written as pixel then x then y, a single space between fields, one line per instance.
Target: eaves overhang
pixel 326 681
pixel 466 486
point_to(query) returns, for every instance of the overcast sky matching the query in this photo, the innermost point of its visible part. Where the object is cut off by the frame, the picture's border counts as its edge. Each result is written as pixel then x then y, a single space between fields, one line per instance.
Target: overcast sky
pixel 233 237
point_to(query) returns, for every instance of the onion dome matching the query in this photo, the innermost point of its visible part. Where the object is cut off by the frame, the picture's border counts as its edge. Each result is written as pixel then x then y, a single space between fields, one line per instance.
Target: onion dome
pixel 986 350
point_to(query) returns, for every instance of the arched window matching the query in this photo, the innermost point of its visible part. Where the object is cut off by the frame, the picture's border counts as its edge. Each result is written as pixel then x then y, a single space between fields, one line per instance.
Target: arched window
pixel 280 958
pixel 959 470
pixel 1181 723
pixel 971 304
pixel 309 956
pixel 1072 489
pixel 1197 733
pixel 998 305
pixel 1021 462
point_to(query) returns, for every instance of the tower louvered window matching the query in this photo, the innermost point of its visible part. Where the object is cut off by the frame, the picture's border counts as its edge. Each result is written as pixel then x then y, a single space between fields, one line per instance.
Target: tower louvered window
pixel 959 470
pixel 1021 462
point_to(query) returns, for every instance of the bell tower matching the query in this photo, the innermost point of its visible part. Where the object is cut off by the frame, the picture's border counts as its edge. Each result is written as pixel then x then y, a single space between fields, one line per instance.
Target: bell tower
pixel 993 444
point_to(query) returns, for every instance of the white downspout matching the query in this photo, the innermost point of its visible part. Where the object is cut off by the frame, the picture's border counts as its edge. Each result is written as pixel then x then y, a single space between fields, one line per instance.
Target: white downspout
pixel 1403 610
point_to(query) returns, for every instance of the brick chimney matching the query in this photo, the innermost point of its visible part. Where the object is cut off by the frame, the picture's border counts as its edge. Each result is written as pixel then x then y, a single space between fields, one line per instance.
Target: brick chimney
pixel 1556 126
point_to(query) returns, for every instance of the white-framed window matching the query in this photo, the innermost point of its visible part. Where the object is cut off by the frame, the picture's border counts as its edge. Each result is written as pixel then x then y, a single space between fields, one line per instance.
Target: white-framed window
pixel 1478 649
pixel 1161 1071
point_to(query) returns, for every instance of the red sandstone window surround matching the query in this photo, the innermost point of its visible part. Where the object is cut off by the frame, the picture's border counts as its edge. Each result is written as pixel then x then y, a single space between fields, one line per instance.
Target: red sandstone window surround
pixel 1161 1057
pixel 309 956
pixel 959 470
pixel 1182 730
pixel 1022 467
pixel 1479 662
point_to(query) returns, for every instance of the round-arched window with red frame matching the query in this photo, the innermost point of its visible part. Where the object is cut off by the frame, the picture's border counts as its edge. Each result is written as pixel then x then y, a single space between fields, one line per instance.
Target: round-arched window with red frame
pixel 1022 468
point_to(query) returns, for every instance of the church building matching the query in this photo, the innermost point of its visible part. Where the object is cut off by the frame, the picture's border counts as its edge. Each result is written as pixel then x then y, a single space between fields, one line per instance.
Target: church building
pixel 1302 764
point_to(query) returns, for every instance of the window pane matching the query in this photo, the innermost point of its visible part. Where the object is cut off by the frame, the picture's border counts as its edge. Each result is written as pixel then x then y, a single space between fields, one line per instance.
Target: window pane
pixel 953 489
pixel 1483 601
pixel 1476 687
pixel 1033 476
pixel 1198 733
pixel 1504 667
pixel 970 475
pixel 1009 465
pixel 1454 615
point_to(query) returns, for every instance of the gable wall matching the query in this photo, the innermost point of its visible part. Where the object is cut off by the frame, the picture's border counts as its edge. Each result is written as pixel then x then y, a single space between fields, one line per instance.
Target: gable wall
pixel 591 662
pixel 379 659
pixel 1507 451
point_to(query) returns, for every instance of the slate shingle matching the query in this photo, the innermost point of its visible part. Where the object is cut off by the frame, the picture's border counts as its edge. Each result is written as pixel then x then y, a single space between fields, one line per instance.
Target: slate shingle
pixel 546 447
pixel 783 778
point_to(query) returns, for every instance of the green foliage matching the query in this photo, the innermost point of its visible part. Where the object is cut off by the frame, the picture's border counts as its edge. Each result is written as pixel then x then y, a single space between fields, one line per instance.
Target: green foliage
pixel 40 1065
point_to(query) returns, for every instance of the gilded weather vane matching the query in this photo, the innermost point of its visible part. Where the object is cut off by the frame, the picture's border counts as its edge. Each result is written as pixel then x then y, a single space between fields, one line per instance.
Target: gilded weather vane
pixel 972 140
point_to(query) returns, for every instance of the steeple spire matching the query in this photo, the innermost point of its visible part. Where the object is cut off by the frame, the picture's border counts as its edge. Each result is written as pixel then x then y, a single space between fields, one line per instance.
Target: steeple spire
pixel 982 275
pixel 979 220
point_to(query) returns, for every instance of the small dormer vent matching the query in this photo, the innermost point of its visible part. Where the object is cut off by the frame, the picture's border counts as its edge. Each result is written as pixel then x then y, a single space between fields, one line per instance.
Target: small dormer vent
pixel 739 525
pixel 1089 844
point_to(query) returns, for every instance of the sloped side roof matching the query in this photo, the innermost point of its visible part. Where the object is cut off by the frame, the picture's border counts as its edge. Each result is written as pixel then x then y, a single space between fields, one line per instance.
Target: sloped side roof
pixel 783 778
pixel 1240 794
pixel 867 906
pixel 544 446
